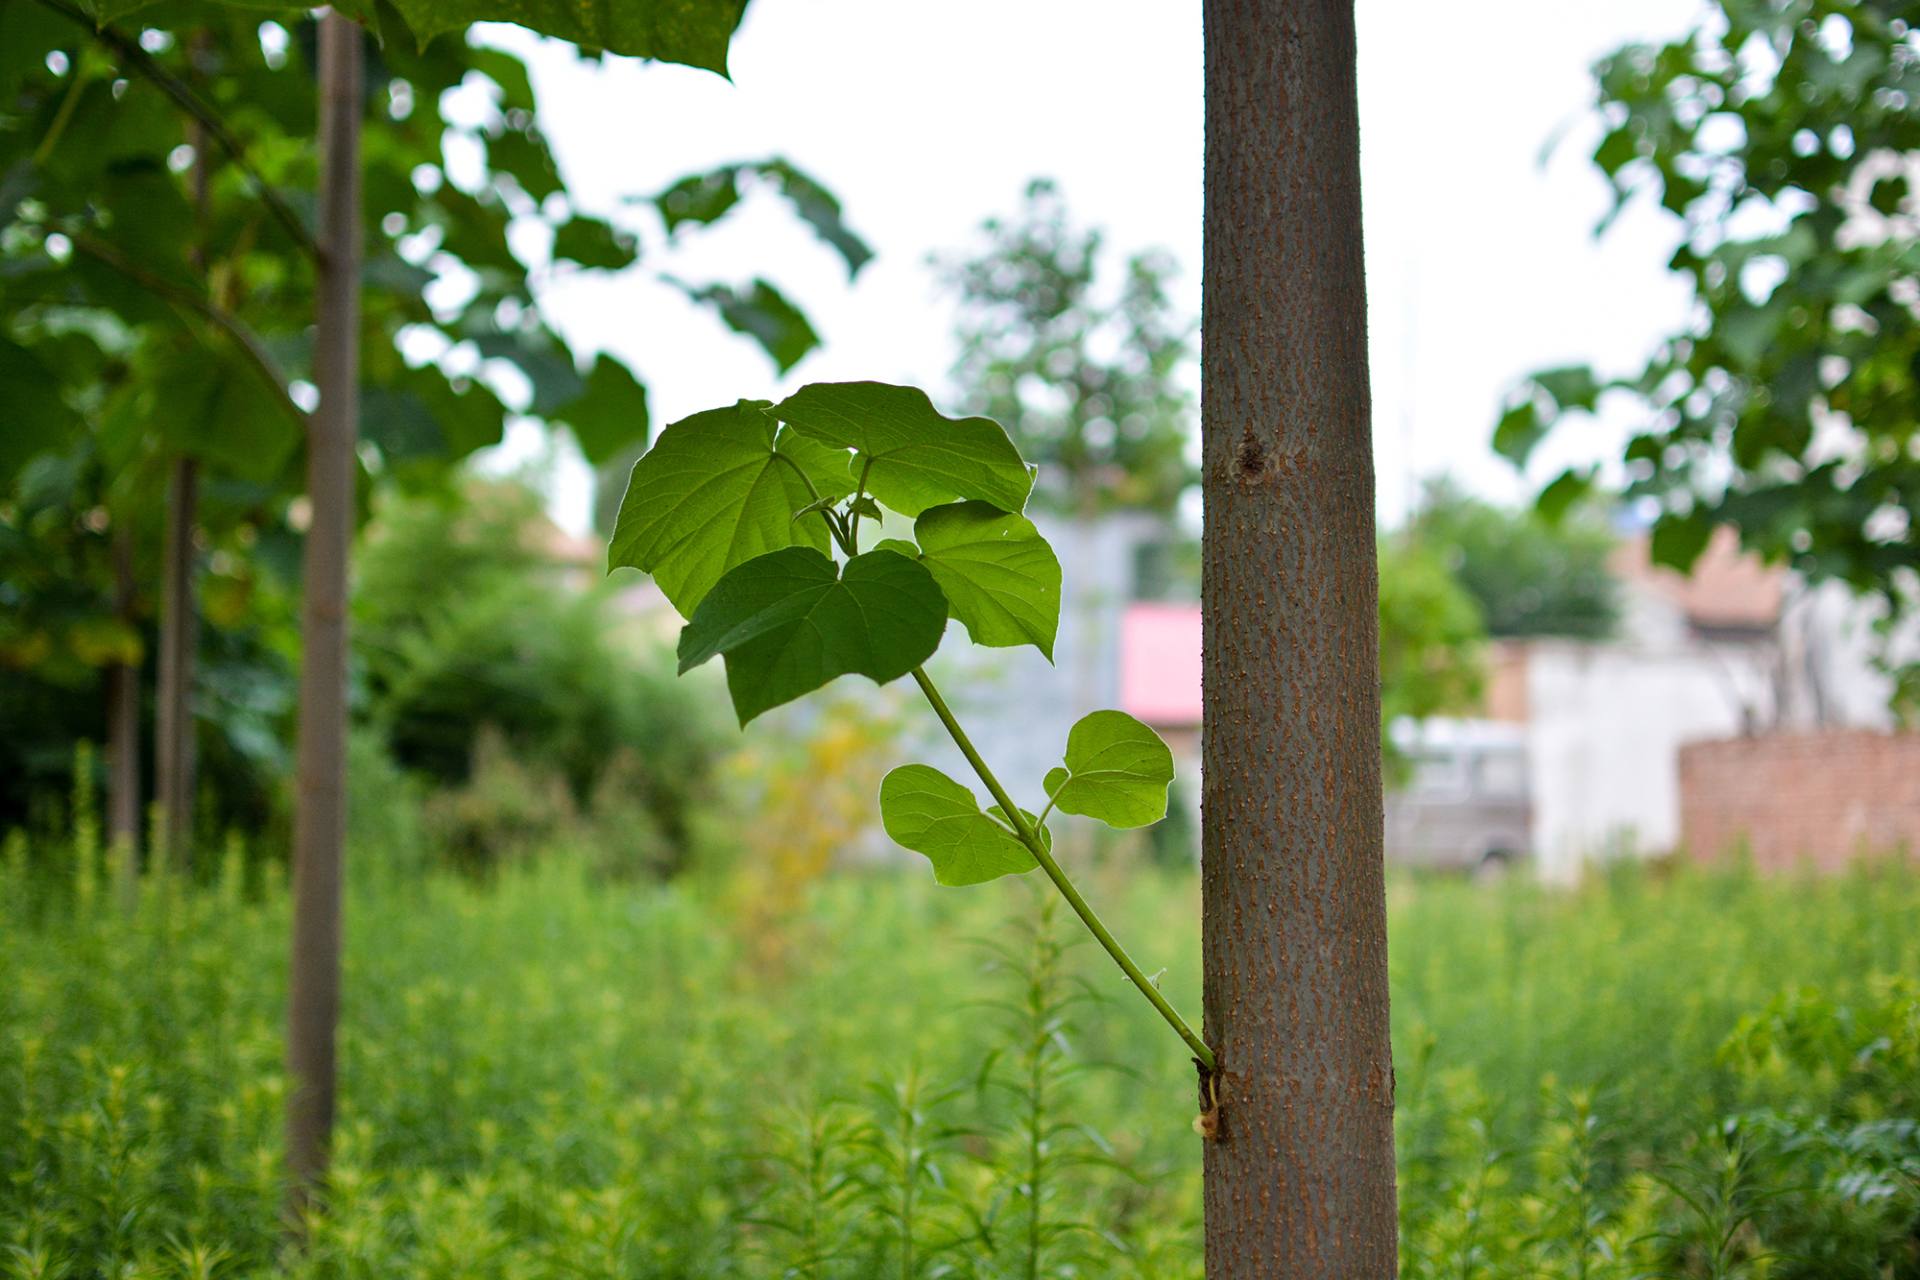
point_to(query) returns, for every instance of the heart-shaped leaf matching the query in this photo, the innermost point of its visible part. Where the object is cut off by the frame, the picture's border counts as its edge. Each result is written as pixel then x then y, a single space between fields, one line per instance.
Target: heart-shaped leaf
pixel 790 621
pixel 919 457
pixel 926 811
pixel 716 490
pixel 1118 771
pixel 1001 578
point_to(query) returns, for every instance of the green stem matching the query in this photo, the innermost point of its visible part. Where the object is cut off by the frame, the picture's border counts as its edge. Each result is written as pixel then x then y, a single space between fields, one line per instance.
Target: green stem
pixel 1028 833
pixel 1042 855
pixel 63 116
pixel 853 509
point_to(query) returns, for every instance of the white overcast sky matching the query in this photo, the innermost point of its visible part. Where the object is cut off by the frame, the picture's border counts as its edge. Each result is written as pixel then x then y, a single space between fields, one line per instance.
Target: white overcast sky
pixel 927 117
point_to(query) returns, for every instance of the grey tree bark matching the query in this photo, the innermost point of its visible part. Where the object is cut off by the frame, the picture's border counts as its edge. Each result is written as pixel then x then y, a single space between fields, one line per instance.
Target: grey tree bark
pixel 1300 1182
pixel 123 712
pixel 313 999
pixel 173 732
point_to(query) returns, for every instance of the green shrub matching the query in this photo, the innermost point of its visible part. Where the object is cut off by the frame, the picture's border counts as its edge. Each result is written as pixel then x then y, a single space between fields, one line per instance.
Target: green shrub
pixel 481 652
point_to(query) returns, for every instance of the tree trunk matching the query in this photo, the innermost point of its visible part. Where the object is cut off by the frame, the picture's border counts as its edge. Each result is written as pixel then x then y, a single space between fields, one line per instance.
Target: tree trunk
pixel 320 814
pixel 123 712
pixel 179 622
pixel 1300 1182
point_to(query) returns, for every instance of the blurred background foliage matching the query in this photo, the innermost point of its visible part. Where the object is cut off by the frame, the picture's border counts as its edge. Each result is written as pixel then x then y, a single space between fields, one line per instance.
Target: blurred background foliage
pixel 1780 138
pixel 1092 378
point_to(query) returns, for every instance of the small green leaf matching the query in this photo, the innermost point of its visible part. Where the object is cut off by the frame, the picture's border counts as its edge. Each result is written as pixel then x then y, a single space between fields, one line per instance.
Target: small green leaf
pixel 1567 489
pixel 818 207
pixel 924 810
pixel 1572 387
pixel 791 621
pixel 866 508
pixel 1118 771
pixel 594 243
pixel 920 458
pixel 1520 429
pixel 1001 578
pixel 1678 540
pixel 713 493
pixel 900 545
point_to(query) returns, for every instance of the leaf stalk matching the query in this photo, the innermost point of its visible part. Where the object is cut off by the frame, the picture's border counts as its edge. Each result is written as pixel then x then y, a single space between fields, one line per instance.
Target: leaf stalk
pixel 1030 837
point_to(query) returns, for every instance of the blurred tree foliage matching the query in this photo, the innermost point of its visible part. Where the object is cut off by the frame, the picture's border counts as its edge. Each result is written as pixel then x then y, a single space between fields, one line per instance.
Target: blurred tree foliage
pixel 1432 637
pixel 1781 135
pixel 465 621
pixel 497 670
pixel 1530 576
pixel 155 301
pixel 1088 384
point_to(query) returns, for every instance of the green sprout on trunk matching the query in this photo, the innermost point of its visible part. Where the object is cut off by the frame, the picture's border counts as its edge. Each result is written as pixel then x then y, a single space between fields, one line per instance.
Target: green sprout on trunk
pixel 739 515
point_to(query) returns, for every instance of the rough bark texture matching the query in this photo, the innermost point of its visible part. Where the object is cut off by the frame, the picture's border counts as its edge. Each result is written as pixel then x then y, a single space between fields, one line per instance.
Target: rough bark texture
pixel 1301 1182
pixel 173 730
pixel 123 713
pixel 313 1003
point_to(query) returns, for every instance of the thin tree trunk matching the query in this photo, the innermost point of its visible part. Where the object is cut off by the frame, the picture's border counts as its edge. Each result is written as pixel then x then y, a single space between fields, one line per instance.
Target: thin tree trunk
pixel 173 717
pixel 1301 1181
pixel 123 712
pixel 320 814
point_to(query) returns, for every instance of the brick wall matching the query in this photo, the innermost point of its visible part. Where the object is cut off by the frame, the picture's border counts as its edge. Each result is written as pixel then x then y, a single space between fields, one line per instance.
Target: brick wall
pixel 1827 797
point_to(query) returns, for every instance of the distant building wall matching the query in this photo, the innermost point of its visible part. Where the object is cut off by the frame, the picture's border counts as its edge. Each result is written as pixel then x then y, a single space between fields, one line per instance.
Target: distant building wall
pixel 1824 797
pixel 1605 724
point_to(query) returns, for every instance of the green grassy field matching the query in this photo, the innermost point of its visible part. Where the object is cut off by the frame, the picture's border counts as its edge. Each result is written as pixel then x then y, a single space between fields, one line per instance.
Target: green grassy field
pixel 547 1076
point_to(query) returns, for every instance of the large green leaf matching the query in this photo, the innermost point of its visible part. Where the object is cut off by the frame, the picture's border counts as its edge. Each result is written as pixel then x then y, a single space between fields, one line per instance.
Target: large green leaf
pixel 713 493
pixel 693 32
pixel 924 810
pixel 1118 771
pixel 1001 578
pixel 790 621
pixel 920 457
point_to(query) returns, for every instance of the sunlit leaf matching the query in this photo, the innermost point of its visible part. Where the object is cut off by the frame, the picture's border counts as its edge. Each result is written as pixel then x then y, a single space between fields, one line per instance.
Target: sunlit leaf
pixel 924 810
pixel 1117 770
pixel 1001 579
pixel 713 493
pixel 920 458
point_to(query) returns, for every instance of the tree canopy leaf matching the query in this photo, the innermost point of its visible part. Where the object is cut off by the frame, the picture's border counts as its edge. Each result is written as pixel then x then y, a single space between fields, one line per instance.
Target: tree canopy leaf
pixel 1001 579
pixel 612 413
pixel 791 621
pixel 924 810
pixel 919 457
pixel 695 33
pixel 1117 770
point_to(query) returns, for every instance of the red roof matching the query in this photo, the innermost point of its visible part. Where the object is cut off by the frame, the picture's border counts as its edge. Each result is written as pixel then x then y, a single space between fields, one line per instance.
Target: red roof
pixel 1160 664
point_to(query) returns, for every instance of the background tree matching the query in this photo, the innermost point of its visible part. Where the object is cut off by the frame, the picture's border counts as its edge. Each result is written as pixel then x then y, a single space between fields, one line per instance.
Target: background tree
pixel 1088 382
pixel 121 372
pixel 169 271
pixel 1301 1180
pixel 1529 575
pixel 1780 135
pixel 1432 636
